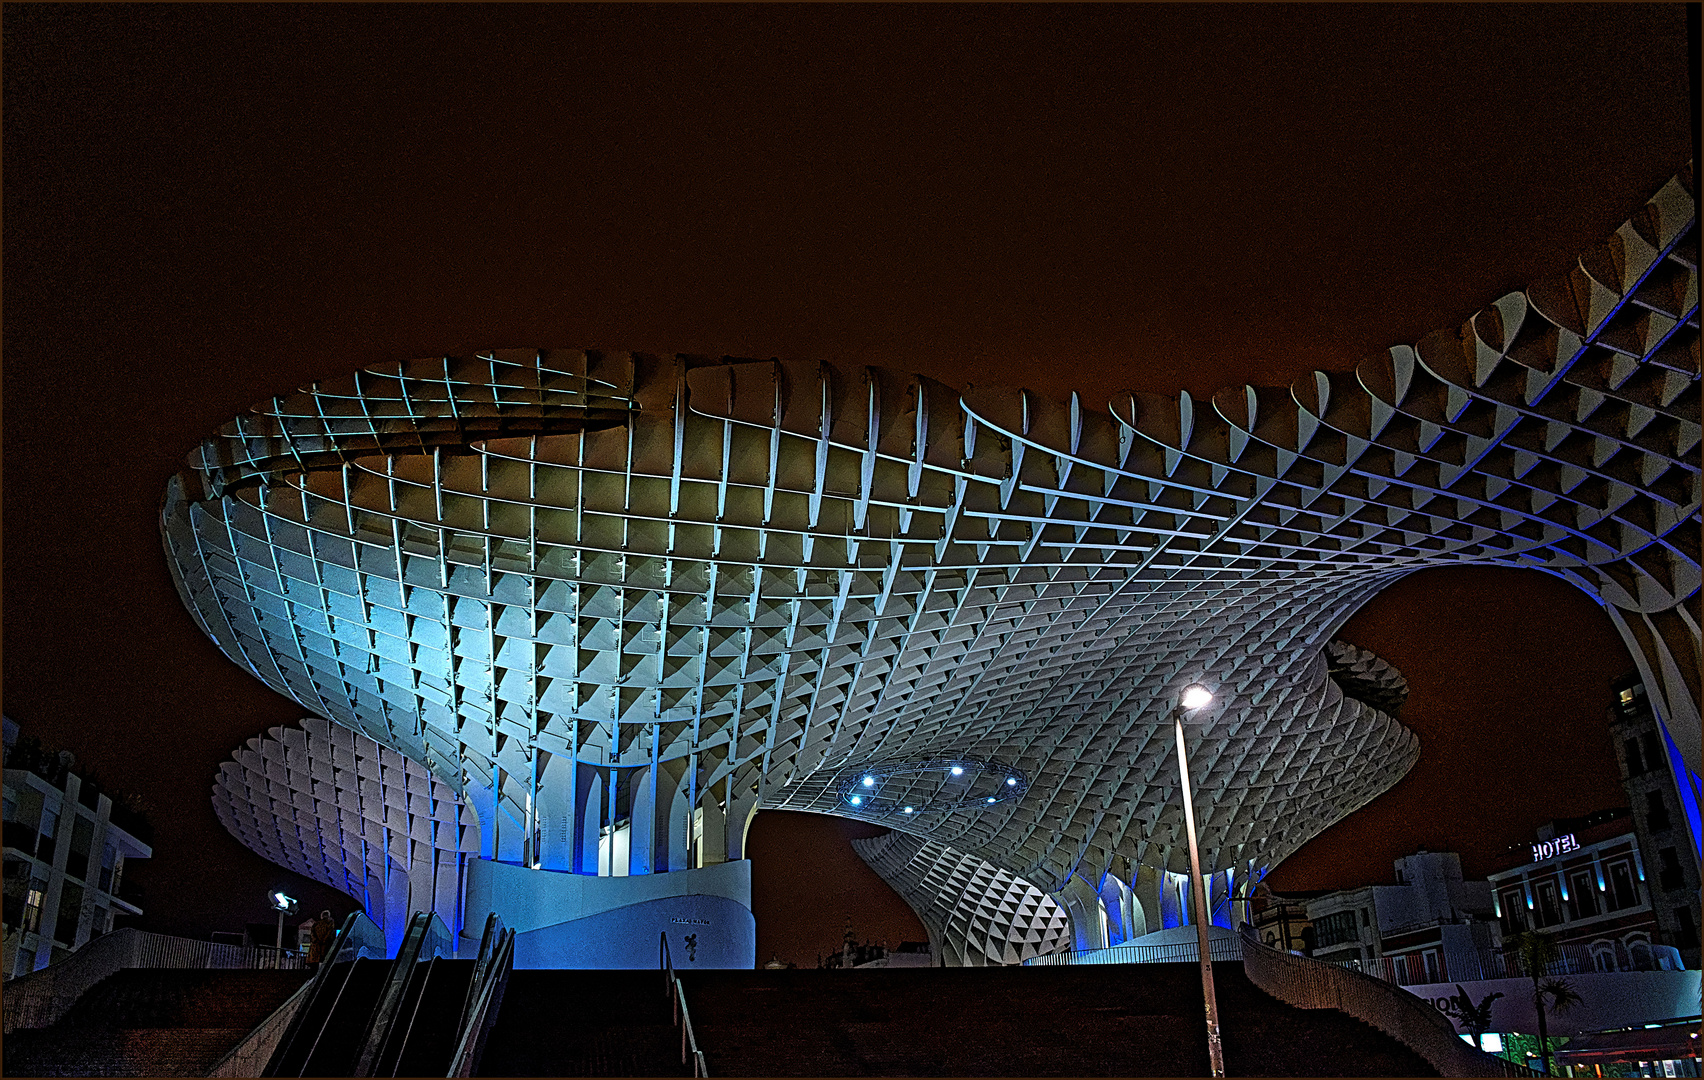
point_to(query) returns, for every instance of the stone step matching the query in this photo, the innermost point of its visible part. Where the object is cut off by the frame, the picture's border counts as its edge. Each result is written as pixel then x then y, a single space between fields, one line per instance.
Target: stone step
pixel 118 1052
pixel 1124 1020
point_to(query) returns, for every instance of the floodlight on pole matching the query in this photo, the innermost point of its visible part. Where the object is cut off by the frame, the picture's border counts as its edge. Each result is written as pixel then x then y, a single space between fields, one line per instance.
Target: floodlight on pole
pixel 284 904
pixel 1195 697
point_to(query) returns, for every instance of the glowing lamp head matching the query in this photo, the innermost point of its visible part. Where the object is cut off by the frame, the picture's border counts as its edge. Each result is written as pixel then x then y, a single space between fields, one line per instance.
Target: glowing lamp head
pixel 991 798
pixel 857 800
pixel 908 809
pixel 869 781
pixel 1011 781
pixel 1194 697
pixel 958 770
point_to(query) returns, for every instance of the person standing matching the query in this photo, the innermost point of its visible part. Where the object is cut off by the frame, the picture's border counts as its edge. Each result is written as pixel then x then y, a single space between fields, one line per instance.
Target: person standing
pixel 323 934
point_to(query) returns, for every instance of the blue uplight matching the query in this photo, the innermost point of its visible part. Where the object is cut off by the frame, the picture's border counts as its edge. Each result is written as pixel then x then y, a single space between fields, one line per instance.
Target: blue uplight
pixel 869 781
pixel 1011 781
pixel 856 799
pixel 958 770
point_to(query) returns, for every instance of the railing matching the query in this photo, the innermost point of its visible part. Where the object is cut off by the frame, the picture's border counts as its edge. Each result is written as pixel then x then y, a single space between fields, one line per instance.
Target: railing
pixel 1573 959
pixel 249 1057
pixel 677 1009
pixel 359 937
pixel 427 938
pixel 484 995
pixel 40 998
pixel 1312 984
pixel 1220 948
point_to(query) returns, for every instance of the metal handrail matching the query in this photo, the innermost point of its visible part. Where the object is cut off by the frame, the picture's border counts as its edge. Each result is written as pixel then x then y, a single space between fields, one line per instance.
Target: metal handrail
pixel 319 981
pixel 40 998
pixel 485 995
pixel 678 1014
pixel 1574 958
pixel 1313 984
pixel 1219 949
pixel 414 950
pixel 488 941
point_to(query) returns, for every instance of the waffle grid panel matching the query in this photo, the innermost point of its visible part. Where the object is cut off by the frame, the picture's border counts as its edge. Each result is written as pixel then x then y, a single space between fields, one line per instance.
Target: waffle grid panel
pixel 339 808
pixel 769 574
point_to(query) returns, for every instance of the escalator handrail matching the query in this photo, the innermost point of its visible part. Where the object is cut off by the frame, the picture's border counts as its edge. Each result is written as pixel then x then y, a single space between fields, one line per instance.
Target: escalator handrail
pixel 390 998
pixel 471 1044
pixel 397 1048
pixel 319 982
pixel 488 942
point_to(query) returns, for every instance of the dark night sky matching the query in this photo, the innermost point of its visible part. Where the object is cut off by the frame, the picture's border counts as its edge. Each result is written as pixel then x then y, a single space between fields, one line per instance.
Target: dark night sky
pixel 208 205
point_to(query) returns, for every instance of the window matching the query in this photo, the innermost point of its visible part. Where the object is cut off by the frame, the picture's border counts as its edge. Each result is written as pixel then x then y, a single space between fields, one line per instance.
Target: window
pixel 1366 918
pixel 1653 750
pixel 23 815
pixel 1640 950
pixel 49 826
pixel 70 911
pixel 33 903
pixel 108 858
pixel 1512 901
pixel 1656 812
pixel 1547 911
pixel 1669 876
pixel 1622 892
pixel 1334 929
pixel 1582 895
pixel 1635 763
pixel 1686 935
pixel 82 840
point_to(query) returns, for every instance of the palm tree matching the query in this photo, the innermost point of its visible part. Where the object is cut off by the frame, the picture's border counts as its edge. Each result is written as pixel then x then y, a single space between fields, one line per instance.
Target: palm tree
pixel 1535 952
pixel 1475 1018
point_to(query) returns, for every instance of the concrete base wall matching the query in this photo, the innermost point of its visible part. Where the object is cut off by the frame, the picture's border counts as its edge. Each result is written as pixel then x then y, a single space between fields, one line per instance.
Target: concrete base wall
pixel 564 920
pixel 1610 999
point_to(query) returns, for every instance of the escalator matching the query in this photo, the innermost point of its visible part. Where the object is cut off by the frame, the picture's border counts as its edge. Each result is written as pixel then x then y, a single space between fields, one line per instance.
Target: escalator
pixel 423 1013
pixel 423 1036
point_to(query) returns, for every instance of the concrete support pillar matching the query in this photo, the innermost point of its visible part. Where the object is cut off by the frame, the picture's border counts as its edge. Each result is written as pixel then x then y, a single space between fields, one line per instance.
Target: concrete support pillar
pixel 712 830
pixel 588 812
pixel 1083 904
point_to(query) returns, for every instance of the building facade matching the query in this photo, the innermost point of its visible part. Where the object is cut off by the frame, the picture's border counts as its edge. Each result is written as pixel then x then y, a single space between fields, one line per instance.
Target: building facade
pixel 1430 917
pixel 1586 885
pixel 1664 816
pixel 64 865
pixel 619 601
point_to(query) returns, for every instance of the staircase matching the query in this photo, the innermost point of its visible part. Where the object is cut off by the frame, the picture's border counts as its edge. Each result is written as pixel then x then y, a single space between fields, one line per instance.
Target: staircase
pixel 1123 1020
pixel 587 1023
pixel 151 1022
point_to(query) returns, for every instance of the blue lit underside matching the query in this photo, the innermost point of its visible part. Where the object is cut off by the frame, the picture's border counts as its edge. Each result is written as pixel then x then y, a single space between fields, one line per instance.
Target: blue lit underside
pixel 1688 782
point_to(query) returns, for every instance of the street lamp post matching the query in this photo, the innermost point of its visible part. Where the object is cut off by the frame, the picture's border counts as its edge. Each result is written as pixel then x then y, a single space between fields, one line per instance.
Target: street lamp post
pixel 284 905
pixel 1195 697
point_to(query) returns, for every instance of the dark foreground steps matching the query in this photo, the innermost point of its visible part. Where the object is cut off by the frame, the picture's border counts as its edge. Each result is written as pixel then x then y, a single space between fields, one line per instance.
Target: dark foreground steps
pixel 1123 1020
pixel 151 1022
pixel 584 1023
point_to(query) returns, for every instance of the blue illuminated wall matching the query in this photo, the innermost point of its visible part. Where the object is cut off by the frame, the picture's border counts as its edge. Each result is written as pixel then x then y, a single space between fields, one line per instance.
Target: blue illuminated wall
pixel 564 920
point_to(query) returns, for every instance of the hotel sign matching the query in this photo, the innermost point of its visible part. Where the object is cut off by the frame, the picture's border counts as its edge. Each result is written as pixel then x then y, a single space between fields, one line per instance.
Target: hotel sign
pixel 1549 849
